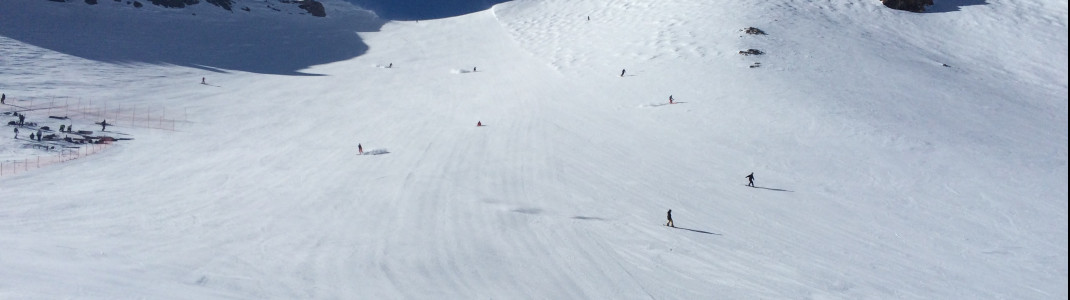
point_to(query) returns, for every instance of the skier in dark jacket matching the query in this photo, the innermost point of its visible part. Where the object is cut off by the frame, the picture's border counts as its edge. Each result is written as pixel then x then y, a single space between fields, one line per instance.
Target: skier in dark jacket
pixel 669 215
pixel 103 124
pixel 621 72
pixel 750 179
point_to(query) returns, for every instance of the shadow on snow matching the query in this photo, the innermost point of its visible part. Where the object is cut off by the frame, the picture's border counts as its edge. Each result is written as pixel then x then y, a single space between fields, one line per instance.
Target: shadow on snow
pixel 695 230
pixel 268 44
pixel 771 189
pixel 952 5
pixel 407 10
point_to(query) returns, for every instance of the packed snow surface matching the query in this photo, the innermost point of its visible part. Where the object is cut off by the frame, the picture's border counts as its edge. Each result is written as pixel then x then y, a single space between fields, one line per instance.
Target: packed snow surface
pixel 897 155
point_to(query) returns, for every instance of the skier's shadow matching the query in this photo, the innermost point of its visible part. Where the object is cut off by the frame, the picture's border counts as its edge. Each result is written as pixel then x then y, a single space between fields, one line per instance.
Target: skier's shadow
pixel 695 230
pixel 771 189
pixel 664 104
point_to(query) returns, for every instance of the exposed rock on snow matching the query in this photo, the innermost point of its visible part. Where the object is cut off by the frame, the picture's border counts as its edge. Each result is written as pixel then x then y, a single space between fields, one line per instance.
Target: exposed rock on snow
pixel 908 5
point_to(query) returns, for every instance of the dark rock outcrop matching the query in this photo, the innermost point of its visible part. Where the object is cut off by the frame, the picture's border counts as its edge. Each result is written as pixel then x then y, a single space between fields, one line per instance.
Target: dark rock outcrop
pixel 174 3
pixel 751 52
pixel 752 30
pixel 225 4
pixel 908 5
pixel 313 7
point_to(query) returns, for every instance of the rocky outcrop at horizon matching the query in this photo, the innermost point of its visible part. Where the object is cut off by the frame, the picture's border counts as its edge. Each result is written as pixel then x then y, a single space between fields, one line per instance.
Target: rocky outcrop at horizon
pixel 311 7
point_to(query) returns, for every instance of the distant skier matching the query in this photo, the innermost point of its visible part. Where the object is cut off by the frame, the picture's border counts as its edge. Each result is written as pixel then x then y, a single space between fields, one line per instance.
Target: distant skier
pixel 473 69
pixel 103 124
pixel 391 65
pixel 670 99
pixel 479 123
pixel 62 127
pixel 202 81
pixel 39 135
pixel 669 215
pixel 3 98
pixel 360 149
pixel 70 128
pixel 31 136
pixel 750 179
pixel 621 72
pixel 22 119
pixel 16 133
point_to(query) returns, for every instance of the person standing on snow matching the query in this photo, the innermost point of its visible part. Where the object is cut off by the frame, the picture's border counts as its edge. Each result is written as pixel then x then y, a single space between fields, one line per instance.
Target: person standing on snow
pixel 103 124
pixel 669 216
pixel 621 72
pixel 16 133
pixel 750 179
pixel 360 149
pixel 670 99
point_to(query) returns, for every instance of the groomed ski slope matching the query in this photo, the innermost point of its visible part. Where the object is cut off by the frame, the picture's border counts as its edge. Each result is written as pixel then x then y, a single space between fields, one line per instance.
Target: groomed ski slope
pixel 881 173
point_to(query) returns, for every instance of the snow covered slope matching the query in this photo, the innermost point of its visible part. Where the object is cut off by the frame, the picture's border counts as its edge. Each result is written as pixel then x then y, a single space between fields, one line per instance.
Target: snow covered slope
pixel 881 172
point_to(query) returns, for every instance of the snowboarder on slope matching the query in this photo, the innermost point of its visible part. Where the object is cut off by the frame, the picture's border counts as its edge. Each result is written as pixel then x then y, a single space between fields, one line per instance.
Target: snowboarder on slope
pixel 669 215
pixel 750 179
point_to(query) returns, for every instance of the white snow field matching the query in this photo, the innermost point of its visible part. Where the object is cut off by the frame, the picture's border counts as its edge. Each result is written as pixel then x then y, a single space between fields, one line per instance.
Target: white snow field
pixel 881 173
